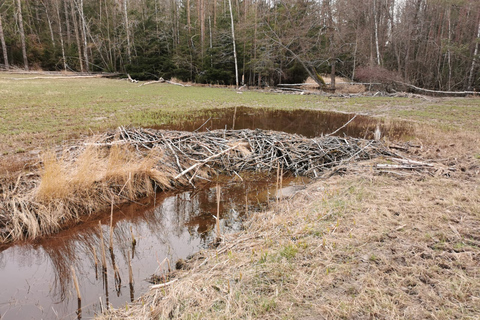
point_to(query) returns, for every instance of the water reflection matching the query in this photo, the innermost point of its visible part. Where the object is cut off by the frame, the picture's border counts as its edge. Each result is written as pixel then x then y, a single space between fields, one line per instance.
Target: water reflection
pixel 309 123
pixel 36 277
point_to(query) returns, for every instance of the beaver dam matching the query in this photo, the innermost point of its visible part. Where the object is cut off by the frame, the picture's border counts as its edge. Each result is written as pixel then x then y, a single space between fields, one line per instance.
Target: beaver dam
pixel 116 178
pixel 128 164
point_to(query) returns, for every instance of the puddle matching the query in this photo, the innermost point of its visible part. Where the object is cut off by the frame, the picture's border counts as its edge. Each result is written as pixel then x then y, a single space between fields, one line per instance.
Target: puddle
pixel 309 123
pixel 36 278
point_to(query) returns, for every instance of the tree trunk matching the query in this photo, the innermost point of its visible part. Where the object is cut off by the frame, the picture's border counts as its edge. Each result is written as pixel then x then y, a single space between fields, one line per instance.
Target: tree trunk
pixel 474 59
pixel 127 29
pixel 67 23
pixel 188 17
pixel 84 35
pixel 332 75
pixel 376 31
pixel 22 34
pixel 49 25
pixel 233 41
pixel 449 53
pixel 77 37
pixel 57 5
pixel 4 46
pixel 202 26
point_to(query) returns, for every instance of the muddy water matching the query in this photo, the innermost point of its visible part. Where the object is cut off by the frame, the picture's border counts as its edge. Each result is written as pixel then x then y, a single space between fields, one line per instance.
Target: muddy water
pixel 310 123
pixel 36 280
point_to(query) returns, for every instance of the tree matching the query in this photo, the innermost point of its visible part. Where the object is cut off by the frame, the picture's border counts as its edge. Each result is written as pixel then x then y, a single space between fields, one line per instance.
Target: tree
pixel 22 34
pixel 4 46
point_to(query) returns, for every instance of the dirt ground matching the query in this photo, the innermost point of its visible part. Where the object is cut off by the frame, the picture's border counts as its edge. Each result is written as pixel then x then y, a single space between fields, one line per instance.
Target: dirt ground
pixel 363 244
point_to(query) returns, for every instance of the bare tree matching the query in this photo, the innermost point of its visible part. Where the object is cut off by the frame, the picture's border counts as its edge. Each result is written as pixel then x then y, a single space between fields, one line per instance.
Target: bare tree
pixel 4 46
pixel 233 41
pixel 84 33
pixel 22 34
pixel 57 7
pixel 127 31
pixel 474 59
pixel 76 28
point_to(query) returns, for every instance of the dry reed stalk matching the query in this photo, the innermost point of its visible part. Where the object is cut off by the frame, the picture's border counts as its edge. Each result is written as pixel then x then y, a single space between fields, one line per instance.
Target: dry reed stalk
pixel 75 282
pixel 116 275
pixel 111 227
pixel 277 184
pixel 102 248
pixel 217 218
pixel 281 182
pixel 134 241
pixel 130 272
pixel 95 257
pixel 168 264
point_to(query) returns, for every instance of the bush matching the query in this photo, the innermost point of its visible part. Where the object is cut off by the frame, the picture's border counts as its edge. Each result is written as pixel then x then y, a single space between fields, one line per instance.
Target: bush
pixel 376 74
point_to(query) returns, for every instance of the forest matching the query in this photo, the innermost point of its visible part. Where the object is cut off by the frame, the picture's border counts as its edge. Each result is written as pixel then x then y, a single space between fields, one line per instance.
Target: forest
pixel 427 43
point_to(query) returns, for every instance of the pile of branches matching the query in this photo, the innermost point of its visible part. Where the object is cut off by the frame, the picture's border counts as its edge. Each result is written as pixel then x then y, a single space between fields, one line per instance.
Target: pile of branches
pixel 233 151
pixel 128 164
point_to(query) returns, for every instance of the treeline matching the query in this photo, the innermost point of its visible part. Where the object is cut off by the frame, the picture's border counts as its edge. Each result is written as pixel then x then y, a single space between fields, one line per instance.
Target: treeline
pixel 428 43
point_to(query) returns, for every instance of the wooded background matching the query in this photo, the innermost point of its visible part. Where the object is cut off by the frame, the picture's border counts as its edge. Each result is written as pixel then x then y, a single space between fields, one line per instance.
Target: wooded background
pixel 427 43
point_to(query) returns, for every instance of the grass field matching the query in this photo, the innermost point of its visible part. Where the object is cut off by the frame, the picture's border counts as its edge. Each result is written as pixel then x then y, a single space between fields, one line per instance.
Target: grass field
pixel 43 112
pixel 357 246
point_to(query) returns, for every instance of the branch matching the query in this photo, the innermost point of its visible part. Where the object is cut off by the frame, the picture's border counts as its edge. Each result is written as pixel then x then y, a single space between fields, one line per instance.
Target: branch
pixel 437 91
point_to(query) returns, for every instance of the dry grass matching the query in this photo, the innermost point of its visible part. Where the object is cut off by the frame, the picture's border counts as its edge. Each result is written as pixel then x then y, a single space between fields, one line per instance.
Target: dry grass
pixel 357 246
pixel 77 184
pixel 342 85
pixel 352 247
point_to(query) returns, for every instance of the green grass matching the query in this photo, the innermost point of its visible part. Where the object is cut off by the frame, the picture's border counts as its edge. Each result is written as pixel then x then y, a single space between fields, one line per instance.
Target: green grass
pixel 47 111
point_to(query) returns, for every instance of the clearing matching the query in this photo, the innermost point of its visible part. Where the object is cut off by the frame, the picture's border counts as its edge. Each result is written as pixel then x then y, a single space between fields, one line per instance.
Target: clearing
pixel 371 239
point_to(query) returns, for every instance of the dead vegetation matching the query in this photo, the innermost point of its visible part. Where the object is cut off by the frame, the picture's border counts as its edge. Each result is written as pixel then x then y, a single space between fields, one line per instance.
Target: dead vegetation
pixel 376 242
pixel 351 247
pixel 128 164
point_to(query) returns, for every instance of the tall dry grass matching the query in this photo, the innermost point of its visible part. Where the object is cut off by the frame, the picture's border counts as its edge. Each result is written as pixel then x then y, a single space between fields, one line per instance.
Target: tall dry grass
pixel 74 185
pixel 353 247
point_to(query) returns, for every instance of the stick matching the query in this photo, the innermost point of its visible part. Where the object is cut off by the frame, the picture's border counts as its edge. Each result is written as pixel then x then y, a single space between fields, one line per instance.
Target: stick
pixel 130 272
pixel 217 218
pixel 111 227
pixel 203 162
pixel 278 181
pixel 95 257
pixel 161 285
pixel 234 116
pixel 331 134
pixel 134 242
pixel 102 248
pixel 75 282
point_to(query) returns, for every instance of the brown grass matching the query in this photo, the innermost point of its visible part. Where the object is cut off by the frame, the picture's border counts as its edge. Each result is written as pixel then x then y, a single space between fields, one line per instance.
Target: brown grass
pixel 357 246
pixel 77 184
pixel 354 247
